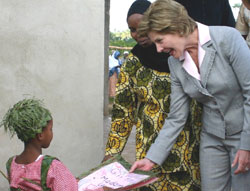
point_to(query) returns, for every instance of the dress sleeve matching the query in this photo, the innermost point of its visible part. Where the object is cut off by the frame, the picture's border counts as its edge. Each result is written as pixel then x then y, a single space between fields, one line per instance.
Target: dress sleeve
pixel 123 112
pixel 60 178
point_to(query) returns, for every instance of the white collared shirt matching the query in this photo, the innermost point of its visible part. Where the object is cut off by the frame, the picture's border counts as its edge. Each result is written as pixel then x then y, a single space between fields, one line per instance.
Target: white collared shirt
pixel 188 64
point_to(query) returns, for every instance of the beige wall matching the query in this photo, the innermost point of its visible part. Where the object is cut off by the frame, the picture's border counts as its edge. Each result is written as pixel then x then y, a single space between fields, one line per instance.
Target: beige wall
pixel 54 50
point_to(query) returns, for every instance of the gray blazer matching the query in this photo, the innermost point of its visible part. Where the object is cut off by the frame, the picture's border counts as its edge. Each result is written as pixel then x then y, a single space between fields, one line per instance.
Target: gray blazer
pixel 224 91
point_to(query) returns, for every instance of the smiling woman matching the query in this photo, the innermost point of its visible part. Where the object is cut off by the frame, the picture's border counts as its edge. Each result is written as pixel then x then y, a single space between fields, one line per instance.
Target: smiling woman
pixel 206 62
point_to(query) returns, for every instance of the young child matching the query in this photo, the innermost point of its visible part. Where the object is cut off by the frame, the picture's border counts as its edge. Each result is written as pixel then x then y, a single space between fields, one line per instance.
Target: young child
pixel 31 170
pixel 243 21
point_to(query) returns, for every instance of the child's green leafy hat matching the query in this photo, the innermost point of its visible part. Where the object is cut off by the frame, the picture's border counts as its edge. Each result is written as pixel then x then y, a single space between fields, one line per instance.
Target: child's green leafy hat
pixel 26 118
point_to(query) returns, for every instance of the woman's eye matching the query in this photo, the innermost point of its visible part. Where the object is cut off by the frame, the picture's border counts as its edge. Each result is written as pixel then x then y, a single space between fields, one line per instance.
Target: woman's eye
pixel 132 29
pixel 158 41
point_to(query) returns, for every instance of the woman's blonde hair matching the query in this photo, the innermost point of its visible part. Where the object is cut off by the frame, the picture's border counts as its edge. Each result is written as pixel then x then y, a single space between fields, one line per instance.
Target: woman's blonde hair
pixel 167 17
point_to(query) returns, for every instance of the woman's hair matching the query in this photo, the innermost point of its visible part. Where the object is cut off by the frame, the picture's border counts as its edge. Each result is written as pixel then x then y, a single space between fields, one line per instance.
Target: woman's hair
pixel 26 119
pixel 166 17
pixel 138 7
pixel 248 1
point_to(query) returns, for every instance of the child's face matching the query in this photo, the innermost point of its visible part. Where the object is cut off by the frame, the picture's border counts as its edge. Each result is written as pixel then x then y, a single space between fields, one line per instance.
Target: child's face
pixel 48 134
pixel 246 3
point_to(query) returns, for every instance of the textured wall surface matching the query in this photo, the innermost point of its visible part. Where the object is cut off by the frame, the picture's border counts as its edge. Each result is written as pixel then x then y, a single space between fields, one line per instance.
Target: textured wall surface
pixel 54 50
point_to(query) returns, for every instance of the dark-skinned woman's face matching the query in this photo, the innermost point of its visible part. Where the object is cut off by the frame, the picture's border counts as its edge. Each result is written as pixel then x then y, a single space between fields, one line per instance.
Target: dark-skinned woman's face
pixel 133 23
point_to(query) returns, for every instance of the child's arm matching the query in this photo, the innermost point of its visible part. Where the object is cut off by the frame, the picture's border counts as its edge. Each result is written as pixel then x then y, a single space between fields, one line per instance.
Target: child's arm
pixel 60 178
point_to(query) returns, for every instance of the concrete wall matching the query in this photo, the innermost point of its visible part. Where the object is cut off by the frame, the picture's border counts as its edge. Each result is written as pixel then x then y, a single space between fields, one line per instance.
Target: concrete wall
pixel 54 50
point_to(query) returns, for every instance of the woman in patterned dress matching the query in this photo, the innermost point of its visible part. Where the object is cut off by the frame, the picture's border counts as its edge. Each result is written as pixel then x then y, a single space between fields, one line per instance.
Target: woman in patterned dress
pixel 142 99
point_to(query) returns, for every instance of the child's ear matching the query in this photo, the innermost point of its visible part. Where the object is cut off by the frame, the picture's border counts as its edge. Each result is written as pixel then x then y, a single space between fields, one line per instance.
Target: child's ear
pixel 39 136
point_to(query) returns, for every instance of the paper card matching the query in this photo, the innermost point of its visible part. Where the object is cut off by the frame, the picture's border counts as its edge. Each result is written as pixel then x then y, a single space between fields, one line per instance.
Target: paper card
pixel 113 176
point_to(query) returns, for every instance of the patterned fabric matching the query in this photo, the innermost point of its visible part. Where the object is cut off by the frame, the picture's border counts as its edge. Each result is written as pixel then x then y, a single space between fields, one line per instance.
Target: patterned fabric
pixel 243 23
pixel 143 99
pixel 59 177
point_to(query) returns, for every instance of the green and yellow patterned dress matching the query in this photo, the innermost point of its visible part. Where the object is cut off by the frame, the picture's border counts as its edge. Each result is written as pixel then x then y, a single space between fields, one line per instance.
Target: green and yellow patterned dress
pixel 143 99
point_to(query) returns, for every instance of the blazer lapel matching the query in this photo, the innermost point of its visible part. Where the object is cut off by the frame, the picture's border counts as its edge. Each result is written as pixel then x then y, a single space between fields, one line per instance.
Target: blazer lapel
pixel 207 63
pixel 205 69
pixel 196 83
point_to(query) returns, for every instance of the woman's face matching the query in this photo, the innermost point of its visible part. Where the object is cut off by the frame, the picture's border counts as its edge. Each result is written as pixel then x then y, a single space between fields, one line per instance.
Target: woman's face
pixel 173 44
pixel 133 23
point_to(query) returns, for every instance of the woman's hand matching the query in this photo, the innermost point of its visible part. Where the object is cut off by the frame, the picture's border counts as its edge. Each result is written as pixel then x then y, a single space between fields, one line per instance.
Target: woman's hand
pixel 242 158
pixel 144 164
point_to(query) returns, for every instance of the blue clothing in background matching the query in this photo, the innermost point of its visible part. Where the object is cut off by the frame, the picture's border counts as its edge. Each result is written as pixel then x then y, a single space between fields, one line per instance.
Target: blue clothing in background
pixel 114 63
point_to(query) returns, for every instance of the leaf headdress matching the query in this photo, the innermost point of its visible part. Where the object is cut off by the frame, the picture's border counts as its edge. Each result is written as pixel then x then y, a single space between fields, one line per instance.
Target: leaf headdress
pixel 26 119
